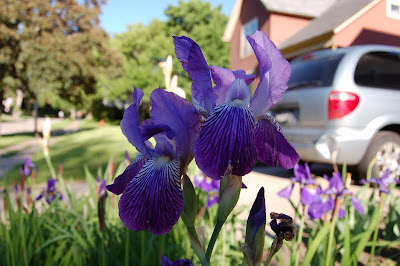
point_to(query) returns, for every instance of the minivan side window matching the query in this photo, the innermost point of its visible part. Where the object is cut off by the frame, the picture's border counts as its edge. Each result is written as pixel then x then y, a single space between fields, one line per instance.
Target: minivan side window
pixel 378 69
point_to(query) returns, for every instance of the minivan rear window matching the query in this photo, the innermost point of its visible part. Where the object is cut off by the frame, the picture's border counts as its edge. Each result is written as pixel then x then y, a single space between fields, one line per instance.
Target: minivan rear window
pixel 379 70
pixel 313 72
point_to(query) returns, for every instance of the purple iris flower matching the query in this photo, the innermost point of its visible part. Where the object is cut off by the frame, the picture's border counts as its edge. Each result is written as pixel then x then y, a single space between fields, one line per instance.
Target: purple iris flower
pixel 210 186
pixel 338 190
pixel 27 167
pixel 50 193
pixel 383 182
pixel 309 190
pixel 179 262
pixel 151 184
pixel 101 190
pixel 323 204
pixel 237 130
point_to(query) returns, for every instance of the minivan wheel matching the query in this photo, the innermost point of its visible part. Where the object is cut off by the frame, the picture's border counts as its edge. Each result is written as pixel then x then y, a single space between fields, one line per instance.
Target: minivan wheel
pixel 385 146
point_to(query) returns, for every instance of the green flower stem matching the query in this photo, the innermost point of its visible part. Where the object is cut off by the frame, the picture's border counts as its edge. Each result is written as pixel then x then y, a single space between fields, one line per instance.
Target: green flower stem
pixel 375 236
pixel 126 246
pixel 22 230
pixel 332 232
pixel 50 165
pixel 142 246
pixel 213 239
pixel 103 252
pixel 300 235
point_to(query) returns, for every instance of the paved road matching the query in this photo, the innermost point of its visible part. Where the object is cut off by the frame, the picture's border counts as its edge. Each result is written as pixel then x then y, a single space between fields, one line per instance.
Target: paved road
pixel 23 126
pixel 29 147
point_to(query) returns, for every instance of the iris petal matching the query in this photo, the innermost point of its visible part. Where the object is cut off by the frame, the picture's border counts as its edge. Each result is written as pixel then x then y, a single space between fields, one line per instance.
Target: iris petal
pixel 309 194
pixel 130 123
pixel 223 79
pixel 286 192
pixel 153 200
pixel 186 122
pixel 130 172
pixel 226 138
pixel 194 63
pixel 357 205
pixel 274 73
pixel 272 147
pixel 238 91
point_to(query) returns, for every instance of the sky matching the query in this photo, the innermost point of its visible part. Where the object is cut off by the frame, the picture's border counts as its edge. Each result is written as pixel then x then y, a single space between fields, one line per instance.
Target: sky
pixel 117 14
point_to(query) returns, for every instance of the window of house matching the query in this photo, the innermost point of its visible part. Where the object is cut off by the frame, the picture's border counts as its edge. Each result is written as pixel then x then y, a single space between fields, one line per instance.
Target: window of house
pixel 379 70
pixel 393 9
pixel 248 29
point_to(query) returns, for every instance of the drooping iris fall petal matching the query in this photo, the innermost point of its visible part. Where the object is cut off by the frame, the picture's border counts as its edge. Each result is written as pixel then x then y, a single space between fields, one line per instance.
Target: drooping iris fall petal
pixel 226 138
pixel 272 147
pixel 130 172
pixel 153 200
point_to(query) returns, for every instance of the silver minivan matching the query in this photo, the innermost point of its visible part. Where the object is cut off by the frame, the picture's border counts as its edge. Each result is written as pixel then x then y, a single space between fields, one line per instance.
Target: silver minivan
pixel 344 105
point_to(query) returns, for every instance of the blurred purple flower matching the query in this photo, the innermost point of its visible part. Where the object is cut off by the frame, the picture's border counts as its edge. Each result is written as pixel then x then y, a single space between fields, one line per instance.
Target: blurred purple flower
pixel 237 130
pixel 309 190
pixel 50 193
pixel 383 182
pixel 151 184
pixel 210 186
pixel 27 167
pixel 179 262
pixel 101 190
pixel 323 204
pixel 334 193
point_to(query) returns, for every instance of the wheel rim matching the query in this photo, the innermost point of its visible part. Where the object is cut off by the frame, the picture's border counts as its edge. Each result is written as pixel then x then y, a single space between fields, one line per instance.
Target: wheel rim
pixel 388 157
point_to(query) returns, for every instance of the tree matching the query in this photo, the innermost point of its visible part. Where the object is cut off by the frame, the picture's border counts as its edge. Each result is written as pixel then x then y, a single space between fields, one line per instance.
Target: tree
pixel 144 46
pixel 55 48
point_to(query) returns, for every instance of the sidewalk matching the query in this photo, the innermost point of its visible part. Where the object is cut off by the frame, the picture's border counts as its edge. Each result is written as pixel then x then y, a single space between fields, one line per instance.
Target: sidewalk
pixel 29 147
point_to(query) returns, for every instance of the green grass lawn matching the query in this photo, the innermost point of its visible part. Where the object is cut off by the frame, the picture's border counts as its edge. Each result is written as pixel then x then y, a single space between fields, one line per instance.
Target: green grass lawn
pixel 92 146
pixel 11 140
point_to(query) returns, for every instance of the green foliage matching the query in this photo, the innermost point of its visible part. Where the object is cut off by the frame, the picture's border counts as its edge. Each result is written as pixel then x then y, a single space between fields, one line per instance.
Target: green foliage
pixel 67 232
pixel 144 46
pixel 54 48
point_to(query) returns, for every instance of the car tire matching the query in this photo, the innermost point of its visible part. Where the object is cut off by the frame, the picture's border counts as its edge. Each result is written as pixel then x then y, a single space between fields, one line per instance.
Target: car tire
pixel 386 147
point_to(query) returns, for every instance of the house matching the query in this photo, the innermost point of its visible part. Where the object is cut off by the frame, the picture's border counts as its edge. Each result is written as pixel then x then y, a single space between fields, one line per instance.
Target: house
pixel 307 25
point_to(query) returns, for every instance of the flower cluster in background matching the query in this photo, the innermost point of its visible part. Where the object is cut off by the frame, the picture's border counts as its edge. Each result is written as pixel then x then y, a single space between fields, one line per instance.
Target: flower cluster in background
pixel 50 193
pixel 320 201
pixel 208 185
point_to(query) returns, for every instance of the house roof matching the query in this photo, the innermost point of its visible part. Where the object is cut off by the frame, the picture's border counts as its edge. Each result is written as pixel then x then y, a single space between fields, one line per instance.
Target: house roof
pixel 304 8
pixel 333 20
pixel 307 8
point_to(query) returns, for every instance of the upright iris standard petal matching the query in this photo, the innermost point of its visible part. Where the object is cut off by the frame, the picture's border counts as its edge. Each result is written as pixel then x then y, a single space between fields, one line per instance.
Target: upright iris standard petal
pixel 223 79
pixel 180 116
pixel 130 172
pixel 130 123
pixel 238 91
pixel 275 72
pixel 153 200
pixel 194 63
pixel 226 138
pixel 336 183
pixel 272 147
pixel 302 174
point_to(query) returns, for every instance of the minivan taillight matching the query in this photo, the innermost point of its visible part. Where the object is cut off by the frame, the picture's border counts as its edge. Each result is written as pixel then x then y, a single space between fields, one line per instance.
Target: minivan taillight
pixel 341 103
